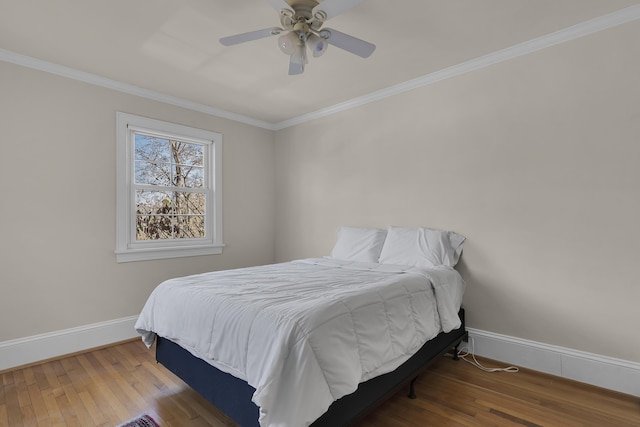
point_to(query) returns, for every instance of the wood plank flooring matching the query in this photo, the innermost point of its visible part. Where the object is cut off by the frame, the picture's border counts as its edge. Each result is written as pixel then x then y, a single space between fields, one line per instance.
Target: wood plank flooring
pixel 108 386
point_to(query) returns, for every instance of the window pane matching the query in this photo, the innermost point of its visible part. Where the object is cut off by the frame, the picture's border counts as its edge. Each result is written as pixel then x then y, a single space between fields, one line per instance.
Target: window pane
pixel 154 202
pixel 167 162
pixel 168 215
pixel 152 173
pixel 189 227
pixel 152 148
pixel 190 203
pixel 188 154
pixel 194 177
pixel 154 227
pixel 153 215
pixel 188 165
pixel 153 160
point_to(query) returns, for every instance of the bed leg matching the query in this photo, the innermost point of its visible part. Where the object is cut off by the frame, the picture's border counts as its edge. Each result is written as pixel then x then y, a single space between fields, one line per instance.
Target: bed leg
pixel 412 389
pixel 455 352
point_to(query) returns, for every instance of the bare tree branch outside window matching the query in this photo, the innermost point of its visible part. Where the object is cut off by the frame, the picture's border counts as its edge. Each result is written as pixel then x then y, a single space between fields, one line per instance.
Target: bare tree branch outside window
pixel 170 201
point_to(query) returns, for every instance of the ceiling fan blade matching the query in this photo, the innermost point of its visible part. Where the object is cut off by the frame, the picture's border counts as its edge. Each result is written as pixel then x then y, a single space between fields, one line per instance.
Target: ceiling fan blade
pixel 333 8
pixel 251 35
pixel 279 4
pixel 295 67
pixel 349 43
pixel 297 61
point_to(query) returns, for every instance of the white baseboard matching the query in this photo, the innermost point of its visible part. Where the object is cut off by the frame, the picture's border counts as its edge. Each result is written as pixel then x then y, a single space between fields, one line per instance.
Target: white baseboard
pixel 35 348
pixel 602 371
pixel 607 372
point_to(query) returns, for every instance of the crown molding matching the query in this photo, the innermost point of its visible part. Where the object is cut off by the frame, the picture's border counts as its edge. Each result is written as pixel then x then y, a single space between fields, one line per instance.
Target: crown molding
pixel 60 70
pixel 583 29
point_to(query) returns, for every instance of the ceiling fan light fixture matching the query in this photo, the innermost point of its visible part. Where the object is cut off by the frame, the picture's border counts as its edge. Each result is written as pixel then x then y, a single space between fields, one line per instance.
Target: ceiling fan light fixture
pixel 288 43
pixel 301 26
pixel 317 45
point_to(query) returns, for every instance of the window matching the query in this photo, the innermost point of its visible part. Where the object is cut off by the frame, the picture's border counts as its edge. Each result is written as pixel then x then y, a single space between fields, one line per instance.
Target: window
pixel 168 197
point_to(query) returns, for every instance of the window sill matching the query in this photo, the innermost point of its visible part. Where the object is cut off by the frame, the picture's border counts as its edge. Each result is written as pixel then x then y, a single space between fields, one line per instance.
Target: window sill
pixel 148 254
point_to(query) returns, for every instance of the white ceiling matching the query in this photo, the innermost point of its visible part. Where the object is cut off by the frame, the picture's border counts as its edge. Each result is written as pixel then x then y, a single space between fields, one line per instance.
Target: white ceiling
pixel 171 46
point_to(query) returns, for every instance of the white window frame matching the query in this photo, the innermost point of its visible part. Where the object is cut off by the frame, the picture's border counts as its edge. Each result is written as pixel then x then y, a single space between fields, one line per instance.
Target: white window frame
pixel 127 248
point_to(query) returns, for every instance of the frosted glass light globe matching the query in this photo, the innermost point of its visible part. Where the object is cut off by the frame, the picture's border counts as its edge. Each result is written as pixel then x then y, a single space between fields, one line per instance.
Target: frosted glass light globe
pixel 288 43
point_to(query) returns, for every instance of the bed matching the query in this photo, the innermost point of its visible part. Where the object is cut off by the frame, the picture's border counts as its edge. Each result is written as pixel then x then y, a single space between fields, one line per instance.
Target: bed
pixel 309 342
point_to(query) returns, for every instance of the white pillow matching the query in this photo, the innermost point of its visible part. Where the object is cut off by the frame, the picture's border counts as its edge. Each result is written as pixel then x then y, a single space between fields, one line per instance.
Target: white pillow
pixel 358 244
pixel 421 247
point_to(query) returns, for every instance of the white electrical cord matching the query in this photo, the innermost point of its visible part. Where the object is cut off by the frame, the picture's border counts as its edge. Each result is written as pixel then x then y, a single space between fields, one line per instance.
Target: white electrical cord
pixel 464 353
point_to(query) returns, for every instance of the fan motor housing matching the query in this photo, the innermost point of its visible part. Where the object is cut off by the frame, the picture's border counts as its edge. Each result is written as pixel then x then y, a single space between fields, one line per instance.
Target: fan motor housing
pixel 303 8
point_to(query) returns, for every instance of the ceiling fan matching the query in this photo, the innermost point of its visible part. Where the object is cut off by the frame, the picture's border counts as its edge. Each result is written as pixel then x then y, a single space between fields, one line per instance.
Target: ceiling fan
pixel 302 22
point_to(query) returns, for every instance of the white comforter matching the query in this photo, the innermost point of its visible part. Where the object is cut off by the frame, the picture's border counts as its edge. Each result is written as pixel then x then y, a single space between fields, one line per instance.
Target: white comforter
pixel 304 333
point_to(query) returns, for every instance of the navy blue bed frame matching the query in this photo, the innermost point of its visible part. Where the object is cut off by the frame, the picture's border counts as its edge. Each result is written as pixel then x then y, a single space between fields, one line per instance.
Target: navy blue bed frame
pixel 233 396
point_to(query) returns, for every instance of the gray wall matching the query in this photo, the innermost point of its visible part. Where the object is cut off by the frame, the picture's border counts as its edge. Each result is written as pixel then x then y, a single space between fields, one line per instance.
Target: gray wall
pixel 57 168
pixel 535 160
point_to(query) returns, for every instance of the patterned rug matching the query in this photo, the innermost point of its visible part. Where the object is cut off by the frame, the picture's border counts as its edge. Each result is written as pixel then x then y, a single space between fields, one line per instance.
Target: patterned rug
pixel 141 421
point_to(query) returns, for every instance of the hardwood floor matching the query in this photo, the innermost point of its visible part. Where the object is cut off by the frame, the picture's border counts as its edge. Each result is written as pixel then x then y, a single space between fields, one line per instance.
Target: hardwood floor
pixel 108 386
